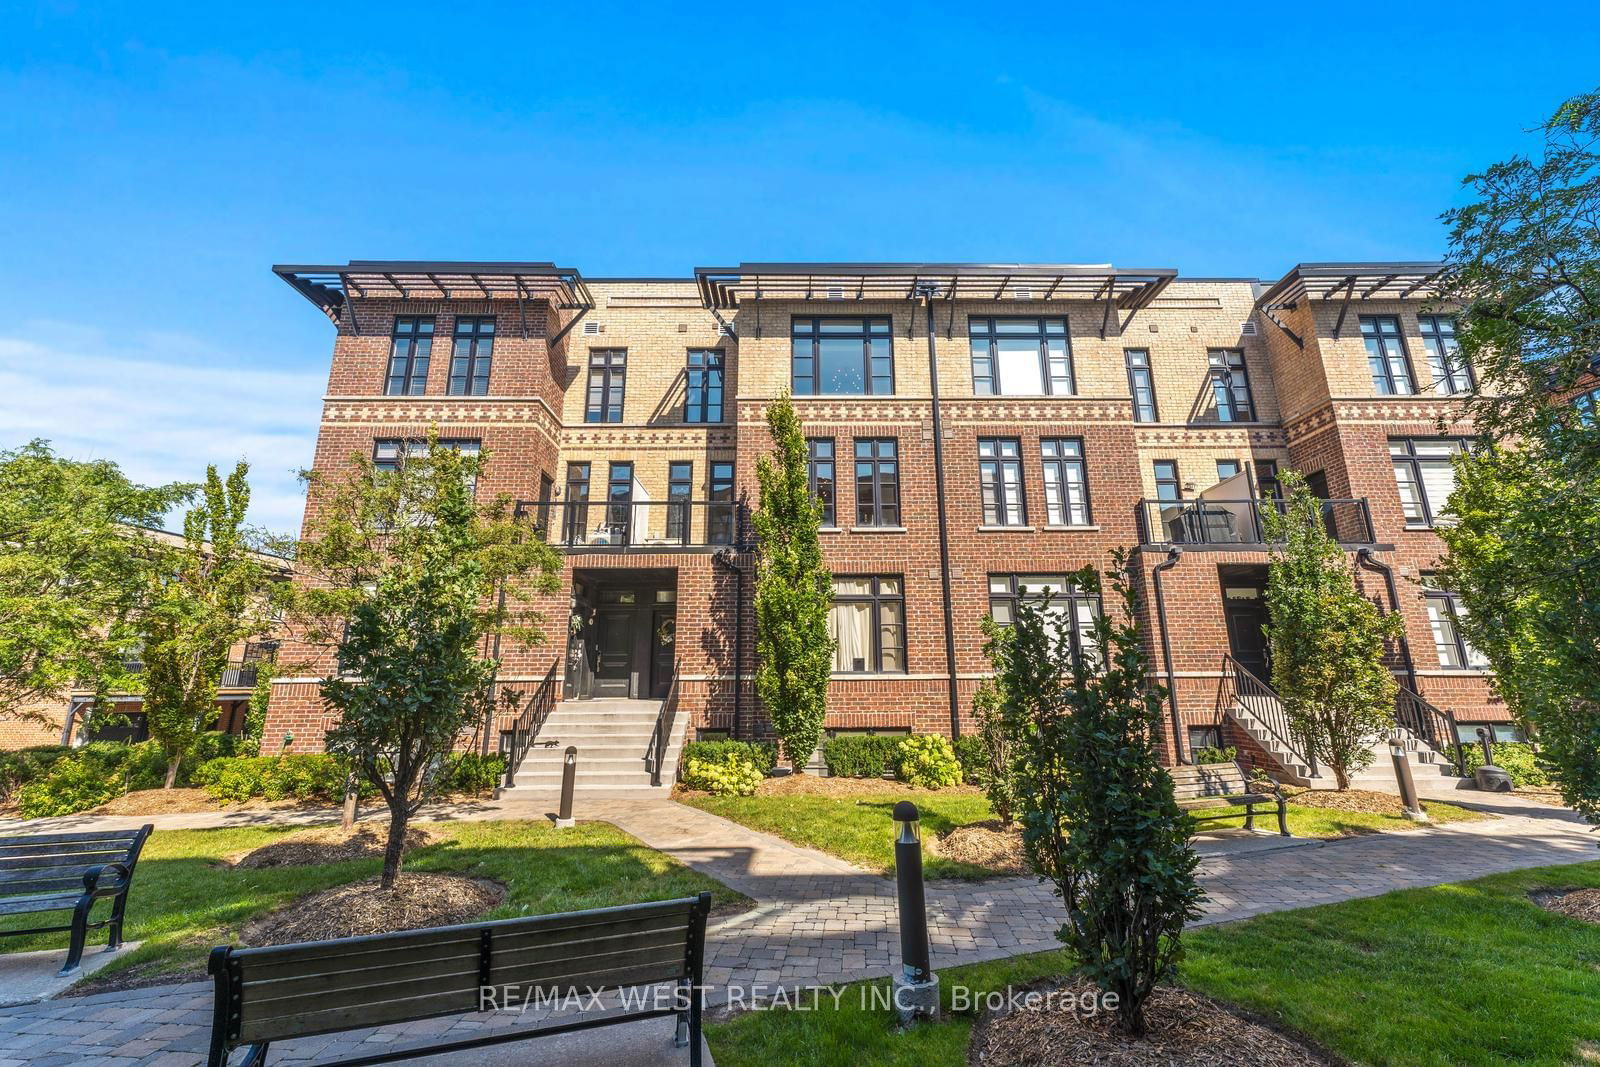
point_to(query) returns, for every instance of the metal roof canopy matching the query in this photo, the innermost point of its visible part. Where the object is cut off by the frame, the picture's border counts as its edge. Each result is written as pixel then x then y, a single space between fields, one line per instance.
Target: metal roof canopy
pixel 1351 281
pixel 330 287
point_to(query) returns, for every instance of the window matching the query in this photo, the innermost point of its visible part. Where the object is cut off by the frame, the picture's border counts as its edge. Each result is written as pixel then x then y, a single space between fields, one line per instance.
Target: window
pixel 390 453
pixel 1444 616
pixel 1588 405
pixel 1498 732
pixel 1204 737
pixel 1020 357
pixel 680 490
pixel 868 625
pixel 619 504
pixel 720 510
pixel 547 492
pixel 877 483
pixel 1066 487
pixel 410 347
pixel 1386 355
pixel 1230 386
pixel 469 360
pixel 1425 475
pixel 1450 372
pixel 1000 480
pixel 1075 613
pixel 703 402
pixel 841 357
pixel 1267 479
pixel 577 503
pixel 819 475
pixel 1142 385
pixel 1227 468
pixel 608 372
pixel 1167 485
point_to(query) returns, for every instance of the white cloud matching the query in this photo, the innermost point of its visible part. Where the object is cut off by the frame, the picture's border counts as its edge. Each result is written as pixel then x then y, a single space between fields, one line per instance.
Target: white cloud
pixel 162 407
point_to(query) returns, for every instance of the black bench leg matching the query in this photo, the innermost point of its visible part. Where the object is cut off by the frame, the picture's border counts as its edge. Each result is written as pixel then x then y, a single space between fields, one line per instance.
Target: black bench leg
pixel 80 931
pixel 685 991
pixel 1283 818
pixel 115 925
pixel 256 1056
pixel 696 996
pixel 1249 816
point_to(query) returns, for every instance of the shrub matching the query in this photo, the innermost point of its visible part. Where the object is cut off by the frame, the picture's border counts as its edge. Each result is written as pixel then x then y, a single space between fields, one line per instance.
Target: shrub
pixel 72 785
pixel 27 765
pixel 730 774
pixel 860 755
pixel 1212 754
pixel 973 757
pixel 926 761
pixel 764 754
pixel 1516 758
pixel 471 772
pixel 304 777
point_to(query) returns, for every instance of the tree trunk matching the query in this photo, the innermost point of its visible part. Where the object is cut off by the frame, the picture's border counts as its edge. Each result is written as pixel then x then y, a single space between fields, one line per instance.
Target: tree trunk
pixel 172 771
pixel 397 843
pixel 1341 776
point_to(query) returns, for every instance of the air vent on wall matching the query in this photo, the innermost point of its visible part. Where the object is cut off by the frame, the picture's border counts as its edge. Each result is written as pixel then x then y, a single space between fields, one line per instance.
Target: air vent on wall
pixel 724 330
pixel 1247 329
pixel 835 293
pixel 591 328
pixel 1022 292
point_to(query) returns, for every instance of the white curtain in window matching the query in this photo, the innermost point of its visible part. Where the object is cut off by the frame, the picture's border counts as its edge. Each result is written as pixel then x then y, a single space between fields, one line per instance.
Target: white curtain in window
pixel 850 625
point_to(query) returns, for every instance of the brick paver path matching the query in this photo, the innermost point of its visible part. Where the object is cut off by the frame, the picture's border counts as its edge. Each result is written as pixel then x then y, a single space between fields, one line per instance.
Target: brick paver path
pixel 821 920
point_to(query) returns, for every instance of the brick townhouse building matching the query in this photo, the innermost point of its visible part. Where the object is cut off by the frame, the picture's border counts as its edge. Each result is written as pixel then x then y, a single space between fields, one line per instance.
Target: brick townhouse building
pixel 976 432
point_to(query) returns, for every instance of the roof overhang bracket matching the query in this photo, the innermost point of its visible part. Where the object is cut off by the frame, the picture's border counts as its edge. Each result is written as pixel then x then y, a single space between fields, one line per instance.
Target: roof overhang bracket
pixel 347 308
pixel 559 334
pixel 1296 338
pixel 727 327
pixel 1349 287
pixel 1110 291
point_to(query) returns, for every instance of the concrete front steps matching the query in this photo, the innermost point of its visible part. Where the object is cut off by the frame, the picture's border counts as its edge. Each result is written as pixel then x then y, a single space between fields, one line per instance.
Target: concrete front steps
pixel 1428 766
pixel 1292 772
pixel 612 737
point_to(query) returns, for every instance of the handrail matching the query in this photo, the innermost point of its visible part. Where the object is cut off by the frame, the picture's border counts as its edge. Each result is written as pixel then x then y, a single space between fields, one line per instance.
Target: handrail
pixel 648 524
pixel 1434 725
pixel 1239 685
pixel 655 753
pixel 1206 521
pixel 528 724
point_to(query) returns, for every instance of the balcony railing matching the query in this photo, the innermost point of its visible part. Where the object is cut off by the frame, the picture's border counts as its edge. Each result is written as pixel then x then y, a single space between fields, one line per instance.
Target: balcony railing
pixel 646 524
pixel 1242 522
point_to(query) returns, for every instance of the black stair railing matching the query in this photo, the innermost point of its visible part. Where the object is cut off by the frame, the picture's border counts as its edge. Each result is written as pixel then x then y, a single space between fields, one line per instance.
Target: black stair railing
pixel 1434 725
pixel 656 752
pixel 1242 689
pixel 525 730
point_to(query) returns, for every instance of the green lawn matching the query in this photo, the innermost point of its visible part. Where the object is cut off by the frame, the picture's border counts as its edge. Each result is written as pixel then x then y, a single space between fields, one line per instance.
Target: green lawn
pixel 860 828
pixel 1472 973
pixel 185 899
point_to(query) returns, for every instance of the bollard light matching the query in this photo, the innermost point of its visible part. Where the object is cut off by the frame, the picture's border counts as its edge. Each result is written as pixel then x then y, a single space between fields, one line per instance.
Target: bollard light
pixel 1410 805
pixel 1488 747
pixel 916 988
pixel 569 777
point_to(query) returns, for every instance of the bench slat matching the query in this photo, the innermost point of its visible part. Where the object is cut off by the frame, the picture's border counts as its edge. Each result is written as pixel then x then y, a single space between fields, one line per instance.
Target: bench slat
pixel 125 838
pixel 74 872
pixel 39 902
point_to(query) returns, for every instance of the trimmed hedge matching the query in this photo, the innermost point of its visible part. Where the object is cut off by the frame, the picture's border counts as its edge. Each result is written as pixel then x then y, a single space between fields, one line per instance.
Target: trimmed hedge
pixel 470 772
pixel 302 776
pixel 860 755
pixel 1211 754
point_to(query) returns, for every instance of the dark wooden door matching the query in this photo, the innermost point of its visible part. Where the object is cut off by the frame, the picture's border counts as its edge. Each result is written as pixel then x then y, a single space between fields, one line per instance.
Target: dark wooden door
pixel 614 651
pixel 1246 637
pixel 663 649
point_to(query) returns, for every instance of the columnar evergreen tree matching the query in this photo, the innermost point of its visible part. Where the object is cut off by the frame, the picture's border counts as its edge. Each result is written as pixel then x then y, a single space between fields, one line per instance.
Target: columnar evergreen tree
pixel 1099 818
pixel 73 575
pixel 399 575
pixel 1327 640
pixel 794 592
pixel 206 596
pixel 989 708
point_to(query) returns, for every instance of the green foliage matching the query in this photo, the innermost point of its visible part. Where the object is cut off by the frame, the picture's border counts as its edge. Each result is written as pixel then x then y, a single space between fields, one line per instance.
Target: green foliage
pixel 404 573
pixel 255 716
pixel 1518 759
pixel 205 597
pixel 25 765
pixel 763 754
pixel 989 703
pixel 1209 754
pixel 473 772
pixel 87 777
pixel 1328 641
pixel 860 755
pixel 728 773
pixel 1099 819
pixel 306 776
pixel 926 761
pixel 1521 558
pixel 973 758
pixel 1524 266
pixel 794 592
pixel 72 575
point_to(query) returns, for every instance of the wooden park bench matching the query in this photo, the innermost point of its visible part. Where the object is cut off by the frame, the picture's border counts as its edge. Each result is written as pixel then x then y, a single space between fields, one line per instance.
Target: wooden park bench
pixel 321 987
pixel 55 872
pixel 1220 785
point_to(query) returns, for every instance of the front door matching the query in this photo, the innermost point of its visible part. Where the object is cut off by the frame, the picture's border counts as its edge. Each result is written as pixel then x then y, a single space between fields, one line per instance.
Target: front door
pixel 1247 637
pixel 663 648
pixel 614 651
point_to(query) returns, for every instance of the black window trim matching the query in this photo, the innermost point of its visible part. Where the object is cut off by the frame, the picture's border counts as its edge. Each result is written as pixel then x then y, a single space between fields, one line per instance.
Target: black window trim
pixel 1176 479
pixel 1452 604
pixel 876 598
pixel 611 366
pixel 1133 390
pixel 1072 597
pixel 992 335
pixel 830 507
pixel 475 335
pixel 1454 364
pixel 1082 461
pixel 879 480
pixel 1413 461
pixel 866 337
pixel 714 360
pixel 1399 338
pixel 1001 509
pixel 411 385
pixel 1229 385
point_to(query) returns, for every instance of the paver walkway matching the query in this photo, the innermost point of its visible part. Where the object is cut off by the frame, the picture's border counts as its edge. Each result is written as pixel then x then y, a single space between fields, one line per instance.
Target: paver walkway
pixel 822 920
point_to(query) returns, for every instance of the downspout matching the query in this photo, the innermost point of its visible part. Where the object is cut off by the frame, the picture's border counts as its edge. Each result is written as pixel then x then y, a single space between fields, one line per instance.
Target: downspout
pixel 1173 555
pixel 725 559
pixel 1365 559
pixel 73 707
pixel 927 293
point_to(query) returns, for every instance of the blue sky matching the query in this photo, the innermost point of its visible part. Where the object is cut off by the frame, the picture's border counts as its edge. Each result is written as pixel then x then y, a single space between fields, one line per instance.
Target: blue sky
pixel 157 162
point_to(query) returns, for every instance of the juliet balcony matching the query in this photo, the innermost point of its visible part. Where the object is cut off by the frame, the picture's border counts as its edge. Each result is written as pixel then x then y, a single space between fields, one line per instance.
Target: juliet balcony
pixel 1219 523
pixel 620 525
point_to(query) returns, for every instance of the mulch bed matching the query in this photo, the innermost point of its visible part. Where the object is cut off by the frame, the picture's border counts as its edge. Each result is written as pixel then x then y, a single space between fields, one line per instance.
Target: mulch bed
pixel 984 844
pixel 1574 904
pixel 817 785
pixel 1185 1029
pixel 187 801
pixel 328 844
pixel 1367 801
pixel 417 900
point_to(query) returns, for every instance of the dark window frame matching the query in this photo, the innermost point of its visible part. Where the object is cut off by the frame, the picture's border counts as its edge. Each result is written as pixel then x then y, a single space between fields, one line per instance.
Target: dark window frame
pixel 815 462
pixel 1445 362
pixel 409 371
pixel 1072 597
pixel 876 598
pixel 992 482
pixel 619 506
pixel 1062 463
pixel 1451 606
pixel 704 374
pixel 1413 462
pixel 1384 382
pixel 1268 484
pixel 1150 412
pixel 680 494
pixel 469 373
pixel 720 509
pixel 810 384
pixel 606 388
pixel 984 328
pixel 577 505
pixel 1587 405
pixel 882 455
pixel 1230 384
pixel 1238 468
pixel 1176 480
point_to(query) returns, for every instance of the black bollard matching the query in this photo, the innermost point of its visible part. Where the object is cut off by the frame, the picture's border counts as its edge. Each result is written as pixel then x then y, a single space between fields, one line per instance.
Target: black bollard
pixel 916 989
pixel 569 777
pixel 1488 746
pixel 1408 786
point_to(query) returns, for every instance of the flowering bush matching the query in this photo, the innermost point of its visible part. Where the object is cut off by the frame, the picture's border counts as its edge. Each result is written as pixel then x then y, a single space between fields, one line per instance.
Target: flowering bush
pixel 928 761
pixel 728 775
